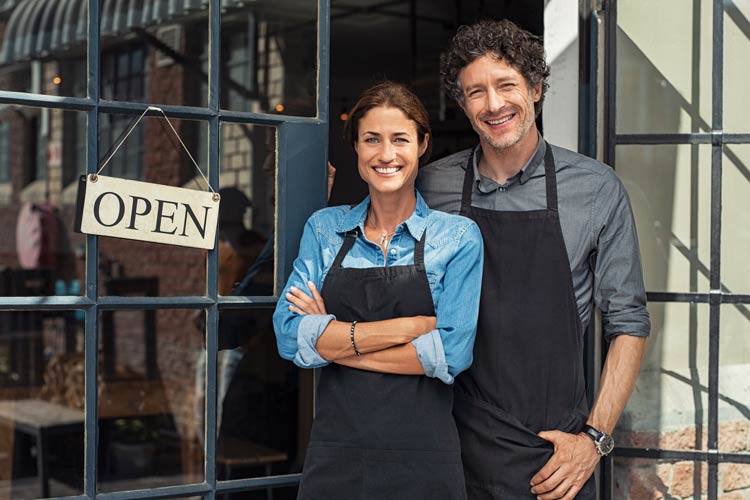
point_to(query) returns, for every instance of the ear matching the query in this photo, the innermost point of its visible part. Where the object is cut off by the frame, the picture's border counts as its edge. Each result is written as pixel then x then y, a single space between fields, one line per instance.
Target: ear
pixel 462 103
pixel 536 92
pixel 356 146
pixel 423 146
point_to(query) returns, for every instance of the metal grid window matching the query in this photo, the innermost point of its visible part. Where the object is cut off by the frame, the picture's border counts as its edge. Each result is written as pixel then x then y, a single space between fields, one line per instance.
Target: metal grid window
pixel 300 189
pixel 701 291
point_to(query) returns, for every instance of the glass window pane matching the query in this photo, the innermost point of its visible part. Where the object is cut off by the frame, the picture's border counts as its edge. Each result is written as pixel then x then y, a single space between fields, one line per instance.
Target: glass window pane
pixel 639 478
pixel 264 403
pixel 42 153
pixel 269 57
pixel 663 66
pixel 151 372
pixel 150 52
pixel 43 47
pixel 734 380
pixel 152 154
pixel 669 406
pixel 736 48
pixel 247 213
pixel 670 190
pixel 735 232
pixel 41 392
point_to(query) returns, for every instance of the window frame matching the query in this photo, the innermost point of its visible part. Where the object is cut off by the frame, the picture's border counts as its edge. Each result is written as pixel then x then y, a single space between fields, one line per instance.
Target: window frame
pixel 604 17
pixel 302 144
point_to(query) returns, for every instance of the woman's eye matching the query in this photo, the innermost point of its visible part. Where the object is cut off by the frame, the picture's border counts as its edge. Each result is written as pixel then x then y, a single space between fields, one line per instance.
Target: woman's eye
pixel 400 139
pixel 372 140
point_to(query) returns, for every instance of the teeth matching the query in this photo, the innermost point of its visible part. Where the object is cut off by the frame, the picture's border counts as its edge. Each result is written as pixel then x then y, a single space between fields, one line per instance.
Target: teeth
pixel 501 120
pixel 386 170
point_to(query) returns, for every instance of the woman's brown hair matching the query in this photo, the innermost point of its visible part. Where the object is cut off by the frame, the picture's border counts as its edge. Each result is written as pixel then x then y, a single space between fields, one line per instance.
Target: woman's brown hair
pixel 394 95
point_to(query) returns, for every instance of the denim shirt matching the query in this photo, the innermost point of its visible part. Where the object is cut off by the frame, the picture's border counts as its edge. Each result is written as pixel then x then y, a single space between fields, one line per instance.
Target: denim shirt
pixel 453 259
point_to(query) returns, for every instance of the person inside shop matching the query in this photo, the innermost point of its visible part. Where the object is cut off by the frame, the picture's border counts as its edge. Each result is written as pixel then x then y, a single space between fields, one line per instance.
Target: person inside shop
pixel 384 297
pixel 559 237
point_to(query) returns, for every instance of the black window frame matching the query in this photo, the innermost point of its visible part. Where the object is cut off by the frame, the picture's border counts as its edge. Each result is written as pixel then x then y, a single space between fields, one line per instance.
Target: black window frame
pixel 598 22
pixel 302 144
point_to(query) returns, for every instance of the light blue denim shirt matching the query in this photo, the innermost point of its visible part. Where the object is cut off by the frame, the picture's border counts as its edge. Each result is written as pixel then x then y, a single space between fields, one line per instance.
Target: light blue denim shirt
pixel 453 260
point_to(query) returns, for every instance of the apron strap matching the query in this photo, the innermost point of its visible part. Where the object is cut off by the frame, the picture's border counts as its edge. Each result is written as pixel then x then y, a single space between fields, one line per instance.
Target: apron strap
pixel 348 242
pixel 550 177
pixel 419 250
pixel 468 184
pixel 352 235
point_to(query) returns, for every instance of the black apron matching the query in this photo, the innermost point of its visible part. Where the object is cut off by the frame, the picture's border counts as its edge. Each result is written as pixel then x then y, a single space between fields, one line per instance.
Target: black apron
pixel 527 374
pixel 379 436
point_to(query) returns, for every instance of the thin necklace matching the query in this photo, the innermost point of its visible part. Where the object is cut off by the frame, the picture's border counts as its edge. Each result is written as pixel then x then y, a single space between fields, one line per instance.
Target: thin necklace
pixel 384 235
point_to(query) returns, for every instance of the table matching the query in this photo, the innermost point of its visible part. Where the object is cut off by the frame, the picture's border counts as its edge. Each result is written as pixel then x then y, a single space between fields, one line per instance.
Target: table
pixel 231 452
pixel 41 419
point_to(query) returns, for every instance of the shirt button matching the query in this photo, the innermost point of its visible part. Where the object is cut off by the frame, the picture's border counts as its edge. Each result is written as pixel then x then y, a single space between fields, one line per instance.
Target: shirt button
pixel 393 251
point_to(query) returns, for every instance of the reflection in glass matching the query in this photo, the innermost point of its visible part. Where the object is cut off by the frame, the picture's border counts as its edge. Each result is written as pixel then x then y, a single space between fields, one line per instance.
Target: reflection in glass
pixel 735 232
pixel 149 52
pixel 734 380
pixel 43 47
pixel 150 415
pixel 264 403
pixel 152 154
pixel 42 403
pixel 670 191
pixel 247 212
pixel 638 478
pixel 669 406
pixel 663 66
pixel 269 57
pixel 42 153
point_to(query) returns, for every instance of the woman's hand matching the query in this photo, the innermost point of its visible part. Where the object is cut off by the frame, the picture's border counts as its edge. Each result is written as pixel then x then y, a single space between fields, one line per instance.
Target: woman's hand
pixel 303 303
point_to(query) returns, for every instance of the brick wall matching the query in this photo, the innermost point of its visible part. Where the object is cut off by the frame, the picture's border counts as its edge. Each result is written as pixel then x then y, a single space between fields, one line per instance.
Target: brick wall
pixel 641 479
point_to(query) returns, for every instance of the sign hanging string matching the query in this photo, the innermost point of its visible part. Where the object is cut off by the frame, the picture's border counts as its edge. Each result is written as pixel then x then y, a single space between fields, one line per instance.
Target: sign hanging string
pixel 130 129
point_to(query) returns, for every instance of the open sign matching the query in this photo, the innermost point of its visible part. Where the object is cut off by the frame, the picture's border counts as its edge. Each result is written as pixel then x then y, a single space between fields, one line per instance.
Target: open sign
pixel 135 210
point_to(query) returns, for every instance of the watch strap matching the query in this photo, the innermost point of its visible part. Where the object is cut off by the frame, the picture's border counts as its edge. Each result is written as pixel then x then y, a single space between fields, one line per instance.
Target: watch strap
pixel 593 433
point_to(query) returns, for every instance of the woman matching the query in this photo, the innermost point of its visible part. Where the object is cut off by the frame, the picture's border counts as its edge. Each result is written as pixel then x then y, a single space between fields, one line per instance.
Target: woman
pixel 393 323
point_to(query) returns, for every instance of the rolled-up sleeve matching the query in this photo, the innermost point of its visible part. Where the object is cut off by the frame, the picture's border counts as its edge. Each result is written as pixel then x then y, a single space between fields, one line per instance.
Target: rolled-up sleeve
pixel 297 335
pixel 448 350
pixel 432 356
pixel 618 277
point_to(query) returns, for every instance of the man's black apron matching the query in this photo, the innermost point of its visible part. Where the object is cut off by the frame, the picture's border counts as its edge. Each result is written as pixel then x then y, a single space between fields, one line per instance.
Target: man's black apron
pixel 378 436
pixel 527 374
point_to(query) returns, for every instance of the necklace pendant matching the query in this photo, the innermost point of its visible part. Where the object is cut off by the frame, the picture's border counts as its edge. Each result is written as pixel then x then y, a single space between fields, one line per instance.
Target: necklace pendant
pixel 383 238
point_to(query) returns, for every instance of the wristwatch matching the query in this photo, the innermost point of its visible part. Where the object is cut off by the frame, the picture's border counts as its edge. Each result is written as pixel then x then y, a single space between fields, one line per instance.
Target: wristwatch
pixel 603 442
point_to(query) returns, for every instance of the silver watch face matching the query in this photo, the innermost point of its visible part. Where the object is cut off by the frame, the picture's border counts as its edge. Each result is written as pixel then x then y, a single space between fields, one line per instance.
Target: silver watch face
pixel 605 445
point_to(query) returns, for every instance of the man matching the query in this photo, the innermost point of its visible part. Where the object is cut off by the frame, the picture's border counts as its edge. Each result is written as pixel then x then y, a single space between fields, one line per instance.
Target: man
pixel 558 232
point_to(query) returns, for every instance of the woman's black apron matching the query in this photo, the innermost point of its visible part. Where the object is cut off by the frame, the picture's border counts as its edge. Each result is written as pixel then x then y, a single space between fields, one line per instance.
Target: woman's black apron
pixel 379 436
pixel 527 374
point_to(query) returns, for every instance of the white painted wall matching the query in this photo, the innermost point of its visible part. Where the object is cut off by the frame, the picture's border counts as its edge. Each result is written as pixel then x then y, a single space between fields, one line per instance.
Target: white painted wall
pixel 560 112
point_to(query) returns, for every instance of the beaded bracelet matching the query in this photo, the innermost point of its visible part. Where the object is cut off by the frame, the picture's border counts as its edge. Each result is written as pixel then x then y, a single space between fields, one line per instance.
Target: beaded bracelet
pixel 351 336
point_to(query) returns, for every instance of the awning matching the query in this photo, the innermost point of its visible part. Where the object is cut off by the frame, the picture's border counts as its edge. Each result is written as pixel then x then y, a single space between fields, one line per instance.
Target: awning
pixel 37 28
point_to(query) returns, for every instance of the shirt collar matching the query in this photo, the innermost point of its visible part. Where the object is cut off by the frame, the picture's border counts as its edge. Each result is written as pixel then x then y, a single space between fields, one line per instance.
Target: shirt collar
pixel 524 174
pixel 416 223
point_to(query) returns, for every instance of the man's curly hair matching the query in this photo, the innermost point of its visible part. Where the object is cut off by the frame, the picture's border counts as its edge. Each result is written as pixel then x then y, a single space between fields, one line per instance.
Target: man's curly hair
pixel 502 40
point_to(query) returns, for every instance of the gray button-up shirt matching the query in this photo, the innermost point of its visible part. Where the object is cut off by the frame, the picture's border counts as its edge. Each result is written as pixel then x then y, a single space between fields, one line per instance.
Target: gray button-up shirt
pixel 595 215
